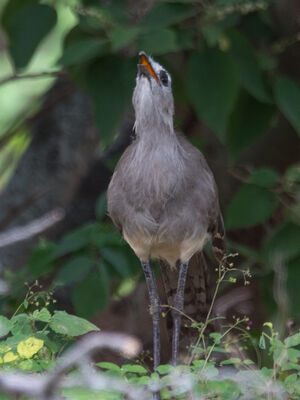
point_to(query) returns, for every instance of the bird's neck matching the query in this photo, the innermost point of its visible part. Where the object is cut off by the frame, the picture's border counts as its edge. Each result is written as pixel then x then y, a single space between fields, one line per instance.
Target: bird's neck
pixel 154 126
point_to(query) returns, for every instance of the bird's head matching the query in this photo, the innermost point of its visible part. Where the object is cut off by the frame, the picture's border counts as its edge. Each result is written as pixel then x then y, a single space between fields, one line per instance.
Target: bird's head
pixel 152 97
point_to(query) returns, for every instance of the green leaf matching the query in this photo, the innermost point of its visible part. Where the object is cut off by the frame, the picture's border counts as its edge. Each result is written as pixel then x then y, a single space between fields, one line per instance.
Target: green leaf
pixel 213 30
pixel 283 242
pixel 81 393
pixel 122 36
pixel 258 116
pixel 42 315
pixel 262 342
pixel 133 368
pixel 287 96
pixel 249 73
pixel 117 260
pixel 290 379
pixel 72 242
pixel 264 177
pixel 5 326
pixel 21 325
pixel 40 261
pixel 112 78
pixel 82 50
pixel 293 340
pixel 101 206
pixel 164 369
pixel 232 360
pixel 26 28
pixel 91 294
pixel 216 337
pixel 247 361
pixel 158 42
pixel 164 15
pixel 109 366
pixel 70 325
pixel 251 206
pixel 73 271
pixel 212 86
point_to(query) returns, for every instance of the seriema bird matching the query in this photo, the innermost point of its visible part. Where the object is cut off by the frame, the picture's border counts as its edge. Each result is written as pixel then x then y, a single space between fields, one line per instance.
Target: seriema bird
pixel 163 197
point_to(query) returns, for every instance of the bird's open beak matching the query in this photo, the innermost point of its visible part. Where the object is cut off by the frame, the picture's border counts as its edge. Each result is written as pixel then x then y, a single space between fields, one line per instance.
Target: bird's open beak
pixel 145 67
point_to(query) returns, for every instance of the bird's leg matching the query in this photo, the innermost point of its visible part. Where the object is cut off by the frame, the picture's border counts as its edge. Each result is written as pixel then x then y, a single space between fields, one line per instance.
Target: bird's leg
pixel 178 308
pixel 155 310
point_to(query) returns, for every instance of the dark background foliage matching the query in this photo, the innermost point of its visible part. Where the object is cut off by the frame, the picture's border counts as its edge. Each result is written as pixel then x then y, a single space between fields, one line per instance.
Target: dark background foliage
pixel 67 72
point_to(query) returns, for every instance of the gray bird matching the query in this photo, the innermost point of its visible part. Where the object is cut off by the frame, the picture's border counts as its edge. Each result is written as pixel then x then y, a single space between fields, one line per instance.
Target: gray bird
pixel 163 197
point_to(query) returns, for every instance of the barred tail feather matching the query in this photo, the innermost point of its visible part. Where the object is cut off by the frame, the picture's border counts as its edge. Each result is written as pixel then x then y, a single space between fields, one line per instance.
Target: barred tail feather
pixel 196 296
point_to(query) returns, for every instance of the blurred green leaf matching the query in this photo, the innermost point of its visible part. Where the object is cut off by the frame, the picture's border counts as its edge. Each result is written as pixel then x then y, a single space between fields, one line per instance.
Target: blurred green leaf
pixel 122 36
pixel 111 77
pixel 212 85
pixel 70 325
pixel 258 116
pixel 262 342
pixel 73 271
pixel 293 340
pixel 266 62
pixel 117 260
pixel 26 28
pixel 232 360
pixel 133 368
pixel 101 206
pixel 264 177
pixel 287 96
pixel 165 14
pixel 184 38
pixel 109 366
pixel 213 30
pixel 12 7
pixel 249 73
pixel 250 206
pixel 72 242
pixel 91 294
pixel 283 242
pixel 82 50
pixel 158 42
pixel 42 315
pixel 40 261
pixel 21 325
pixel 5 326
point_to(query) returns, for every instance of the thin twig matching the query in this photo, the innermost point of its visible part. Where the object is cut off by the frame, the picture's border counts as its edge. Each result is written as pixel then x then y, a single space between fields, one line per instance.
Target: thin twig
pixel 46 74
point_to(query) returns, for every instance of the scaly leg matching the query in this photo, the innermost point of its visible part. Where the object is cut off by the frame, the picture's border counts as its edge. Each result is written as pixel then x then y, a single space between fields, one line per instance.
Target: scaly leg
pixel 178 305
pixel 155 310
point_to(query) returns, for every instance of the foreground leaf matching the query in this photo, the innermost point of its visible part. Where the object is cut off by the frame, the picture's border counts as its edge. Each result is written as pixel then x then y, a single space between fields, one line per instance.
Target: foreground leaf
pixel 43 315
pixel 5 326
pixel 70 325
pixel 29 347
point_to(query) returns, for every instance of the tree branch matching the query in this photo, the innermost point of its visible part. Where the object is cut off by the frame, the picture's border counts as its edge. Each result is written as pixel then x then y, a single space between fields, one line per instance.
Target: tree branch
pixel 46 74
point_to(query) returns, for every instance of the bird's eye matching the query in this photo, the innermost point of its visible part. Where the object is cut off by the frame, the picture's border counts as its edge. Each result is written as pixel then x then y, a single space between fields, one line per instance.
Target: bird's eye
pixel 163 77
